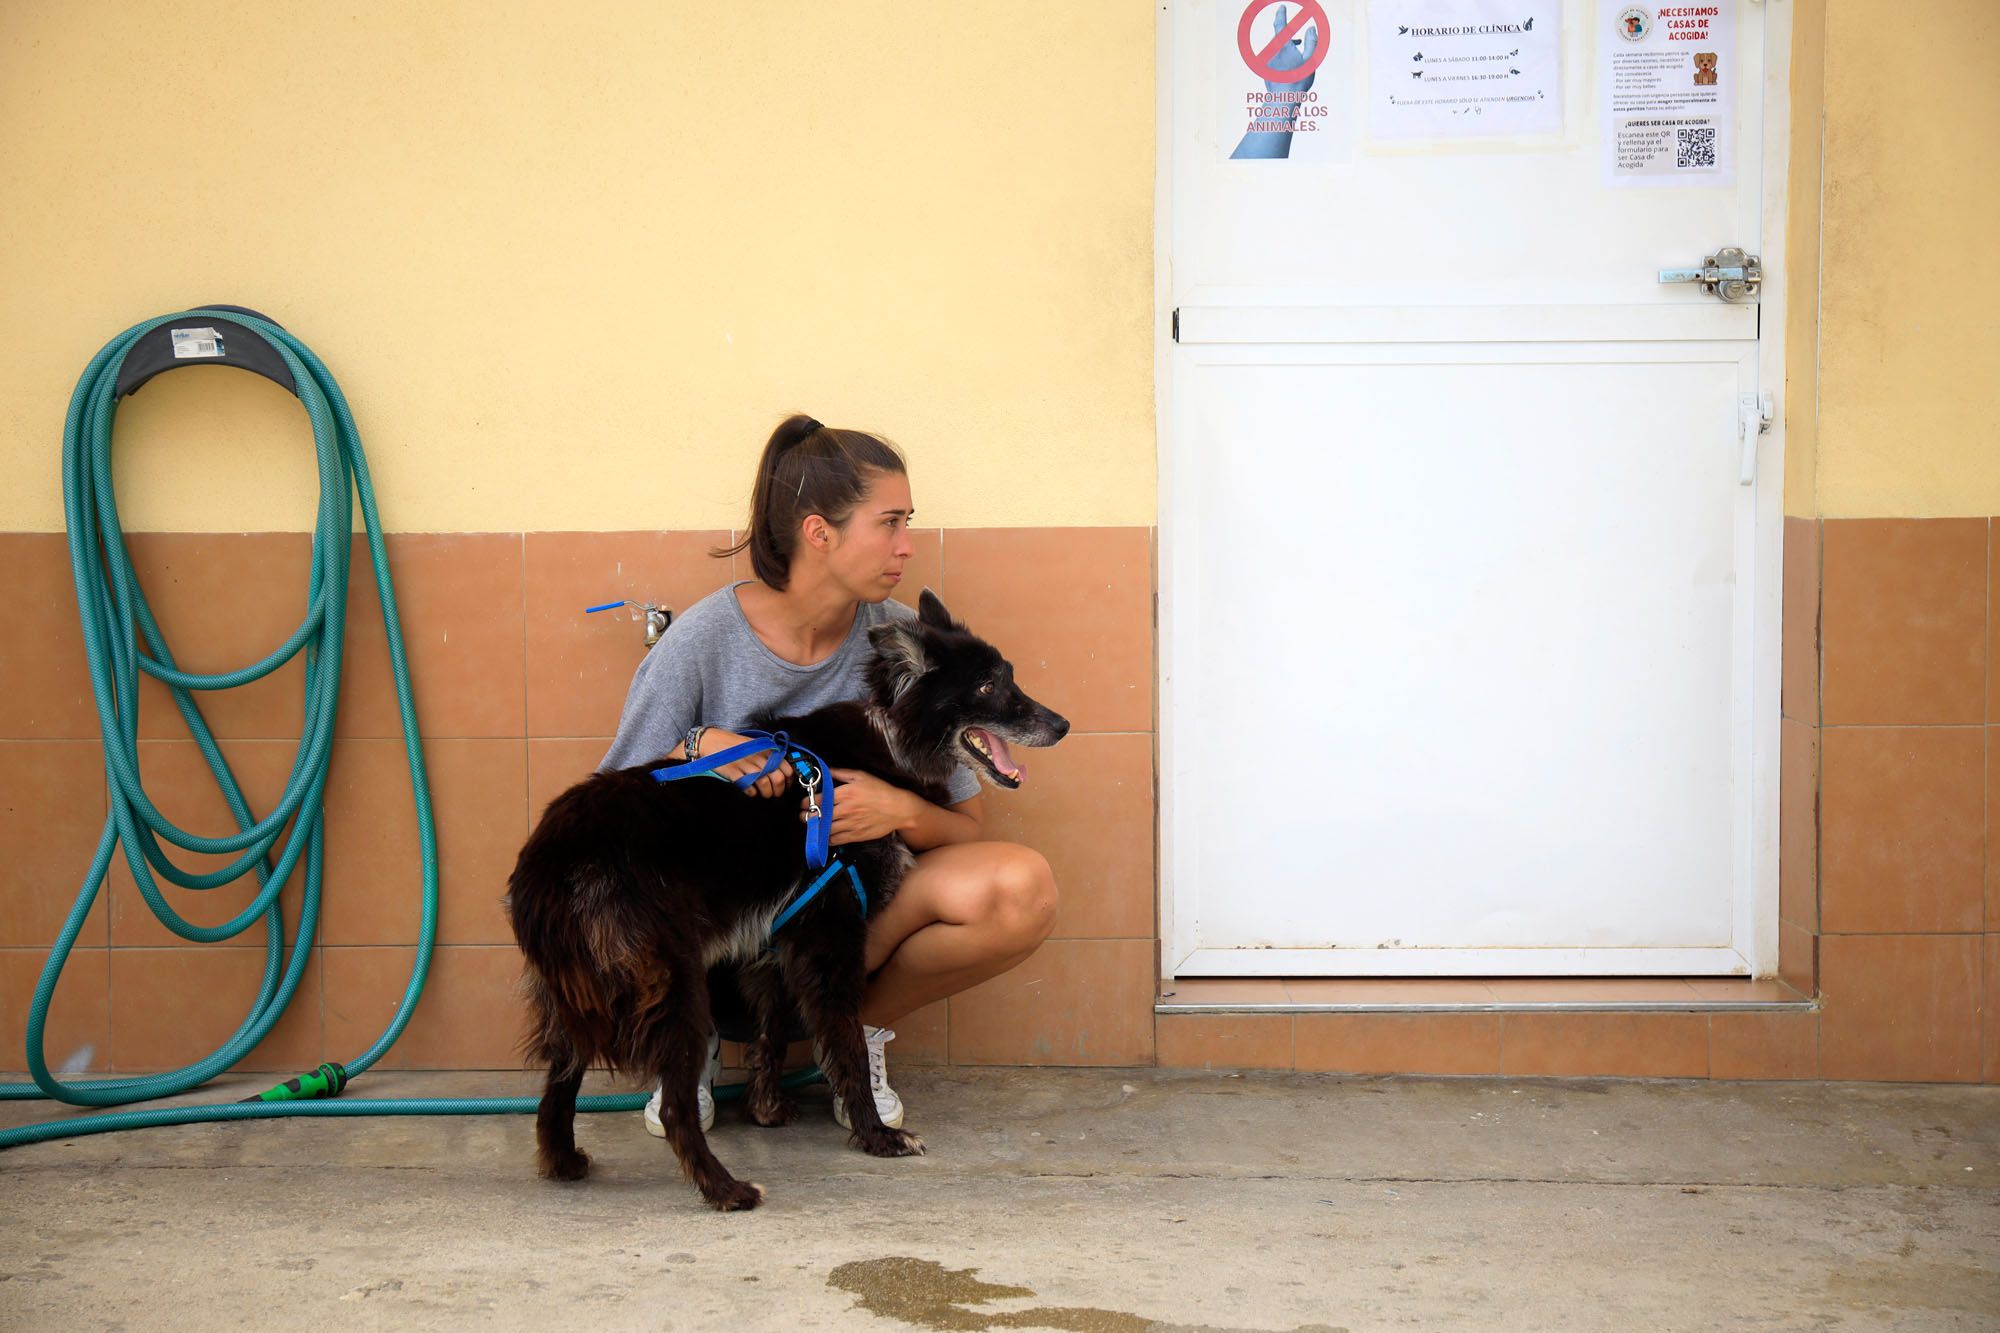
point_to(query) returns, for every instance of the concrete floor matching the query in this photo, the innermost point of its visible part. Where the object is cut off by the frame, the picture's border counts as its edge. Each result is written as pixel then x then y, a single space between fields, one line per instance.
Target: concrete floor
pixel 1093 1200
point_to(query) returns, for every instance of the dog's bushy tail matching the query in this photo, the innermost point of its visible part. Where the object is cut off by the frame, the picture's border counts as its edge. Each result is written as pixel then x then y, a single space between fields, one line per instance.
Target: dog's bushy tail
pixel 593 980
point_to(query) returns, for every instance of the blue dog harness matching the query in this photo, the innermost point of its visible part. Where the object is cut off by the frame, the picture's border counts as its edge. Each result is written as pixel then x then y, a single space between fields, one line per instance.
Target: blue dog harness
pixel 814 777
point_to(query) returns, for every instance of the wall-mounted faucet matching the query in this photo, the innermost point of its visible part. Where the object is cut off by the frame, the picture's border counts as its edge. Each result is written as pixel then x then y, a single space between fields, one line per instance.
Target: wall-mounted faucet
pixel 657 618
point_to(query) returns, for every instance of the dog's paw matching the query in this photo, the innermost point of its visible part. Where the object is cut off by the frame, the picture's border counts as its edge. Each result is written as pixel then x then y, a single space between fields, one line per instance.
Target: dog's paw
pixel 738 1196
pixel 890 1143
pixel 571 1165
pixel 774 1113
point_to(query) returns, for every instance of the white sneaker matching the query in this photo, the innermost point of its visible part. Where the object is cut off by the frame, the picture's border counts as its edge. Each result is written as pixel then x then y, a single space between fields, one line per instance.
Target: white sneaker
pixel 704 1095
pixel 887 1104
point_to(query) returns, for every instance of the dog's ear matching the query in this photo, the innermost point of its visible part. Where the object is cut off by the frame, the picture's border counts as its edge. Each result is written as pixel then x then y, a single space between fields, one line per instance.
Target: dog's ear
pixel 931 611
pixel 899 646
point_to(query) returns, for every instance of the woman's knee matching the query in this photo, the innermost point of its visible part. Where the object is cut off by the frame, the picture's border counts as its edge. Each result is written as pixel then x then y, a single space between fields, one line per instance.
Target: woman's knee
pixel 1021 895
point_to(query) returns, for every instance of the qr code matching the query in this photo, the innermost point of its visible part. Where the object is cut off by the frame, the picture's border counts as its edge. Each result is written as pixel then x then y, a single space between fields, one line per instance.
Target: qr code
pixel 1694 148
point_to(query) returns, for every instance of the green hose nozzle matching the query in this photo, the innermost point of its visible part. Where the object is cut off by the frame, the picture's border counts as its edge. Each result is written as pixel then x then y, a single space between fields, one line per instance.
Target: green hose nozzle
pixel 326 1081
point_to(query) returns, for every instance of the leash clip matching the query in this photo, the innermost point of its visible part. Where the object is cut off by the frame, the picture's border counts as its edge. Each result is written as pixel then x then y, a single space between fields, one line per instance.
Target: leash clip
pixel 810 779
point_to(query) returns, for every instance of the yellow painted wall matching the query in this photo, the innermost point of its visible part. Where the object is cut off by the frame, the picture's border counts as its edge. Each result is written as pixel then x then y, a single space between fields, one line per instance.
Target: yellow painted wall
pixel 572 262
pixel 1909 338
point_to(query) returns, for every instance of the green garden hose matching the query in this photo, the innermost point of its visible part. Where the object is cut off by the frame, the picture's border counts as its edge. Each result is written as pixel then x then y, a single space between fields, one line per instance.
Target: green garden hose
pixel 115 616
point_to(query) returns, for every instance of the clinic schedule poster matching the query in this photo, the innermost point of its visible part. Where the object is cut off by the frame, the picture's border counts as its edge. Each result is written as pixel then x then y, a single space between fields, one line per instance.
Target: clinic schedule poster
pixel 1453 69
pixel 1668 75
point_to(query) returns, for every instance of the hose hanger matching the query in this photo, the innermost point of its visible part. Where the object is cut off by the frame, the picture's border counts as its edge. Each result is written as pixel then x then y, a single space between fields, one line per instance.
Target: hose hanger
pixel 204 338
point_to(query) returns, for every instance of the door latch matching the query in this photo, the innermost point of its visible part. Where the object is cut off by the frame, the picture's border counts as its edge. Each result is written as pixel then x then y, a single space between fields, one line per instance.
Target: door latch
pixel 1728 273
pixel 1753 418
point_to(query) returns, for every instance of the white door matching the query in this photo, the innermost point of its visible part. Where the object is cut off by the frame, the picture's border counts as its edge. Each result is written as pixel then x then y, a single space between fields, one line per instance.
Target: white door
pixel 1469 614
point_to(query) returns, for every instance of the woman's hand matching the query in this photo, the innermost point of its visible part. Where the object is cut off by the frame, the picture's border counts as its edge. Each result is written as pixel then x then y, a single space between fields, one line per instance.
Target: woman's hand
pixel 715 740
pixel 866 808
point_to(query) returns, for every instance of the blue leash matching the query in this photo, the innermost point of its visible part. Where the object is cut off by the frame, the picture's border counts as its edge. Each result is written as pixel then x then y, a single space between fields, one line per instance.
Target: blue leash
pixel 813 776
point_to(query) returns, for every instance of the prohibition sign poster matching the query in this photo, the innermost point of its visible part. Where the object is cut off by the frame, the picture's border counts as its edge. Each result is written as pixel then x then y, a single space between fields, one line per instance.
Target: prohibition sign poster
pixel 1284 80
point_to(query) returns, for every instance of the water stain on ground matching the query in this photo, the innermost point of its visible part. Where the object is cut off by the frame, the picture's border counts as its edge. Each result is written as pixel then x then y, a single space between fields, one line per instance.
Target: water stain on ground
pixel 925 1293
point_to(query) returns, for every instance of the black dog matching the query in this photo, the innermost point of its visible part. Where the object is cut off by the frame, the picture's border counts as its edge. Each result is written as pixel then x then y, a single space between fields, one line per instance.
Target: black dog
pixel 630 889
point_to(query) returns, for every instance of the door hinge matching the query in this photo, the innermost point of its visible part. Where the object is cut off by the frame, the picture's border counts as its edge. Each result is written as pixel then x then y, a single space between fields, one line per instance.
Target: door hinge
pixel 1177 323
pixel 1753 418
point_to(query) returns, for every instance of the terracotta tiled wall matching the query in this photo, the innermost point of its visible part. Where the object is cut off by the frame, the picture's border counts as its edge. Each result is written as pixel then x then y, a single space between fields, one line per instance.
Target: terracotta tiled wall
pixel 1908 910
pixel 1890 903
pixel 518 694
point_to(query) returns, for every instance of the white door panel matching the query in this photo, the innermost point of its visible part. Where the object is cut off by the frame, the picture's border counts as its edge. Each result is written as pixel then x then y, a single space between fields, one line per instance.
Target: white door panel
pixel 1461 590
pixel 1554 695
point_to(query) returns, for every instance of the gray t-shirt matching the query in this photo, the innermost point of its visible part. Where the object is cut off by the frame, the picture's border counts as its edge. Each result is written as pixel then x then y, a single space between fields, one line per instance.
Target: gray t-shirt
pixel 711 667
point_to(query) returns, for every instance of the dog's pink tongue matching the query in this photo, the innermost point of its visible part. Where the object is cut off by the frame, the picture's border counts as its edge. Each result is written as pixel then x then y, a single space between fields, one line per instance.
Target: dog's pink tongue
pixel 1003 758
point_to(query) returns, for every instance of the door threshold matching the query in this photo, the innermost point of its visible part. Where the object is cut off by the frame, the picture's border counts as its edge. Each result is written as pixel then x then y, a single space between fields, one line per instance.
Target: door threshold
pixel 1416 995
